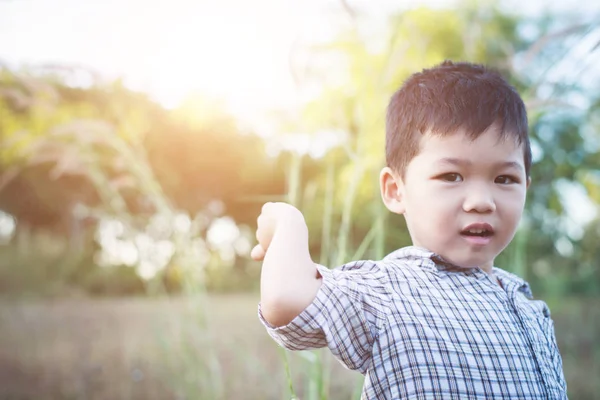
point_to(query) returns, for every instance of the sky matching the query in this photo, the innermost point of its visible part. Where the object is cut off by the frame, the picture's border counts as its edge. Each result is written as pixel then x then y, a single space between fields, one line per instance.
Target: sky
pixel 234 50
pixel 168 48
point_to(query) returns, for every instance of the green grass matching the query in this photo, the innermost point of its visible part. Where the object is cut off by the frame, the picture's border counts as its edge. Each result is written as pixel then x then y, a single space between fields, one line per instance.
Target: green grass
pixel 156 349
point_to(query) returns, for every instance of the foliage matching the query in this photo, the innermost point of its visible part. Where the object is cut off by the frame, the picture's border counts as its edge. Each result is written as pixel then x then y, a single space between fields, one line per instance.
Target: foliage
pixel 73 156
pixel 77 158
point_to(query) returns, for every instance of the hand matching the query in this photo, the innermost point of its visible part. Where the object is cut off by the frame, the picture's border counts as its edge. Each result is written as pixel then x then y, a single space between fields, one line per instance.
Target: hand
pixel 271 216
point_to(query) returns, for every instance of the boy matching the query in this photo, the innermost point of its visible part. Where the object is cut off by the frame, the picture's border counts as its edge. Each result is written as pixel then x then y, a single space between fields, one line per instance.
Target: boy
pixel 435 320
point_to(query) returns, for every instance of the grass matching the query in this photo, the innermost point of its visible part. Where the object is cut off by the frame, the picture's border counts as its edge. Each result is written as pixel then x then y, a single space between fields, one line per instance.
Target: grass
pixel 155 349
pixel 146 349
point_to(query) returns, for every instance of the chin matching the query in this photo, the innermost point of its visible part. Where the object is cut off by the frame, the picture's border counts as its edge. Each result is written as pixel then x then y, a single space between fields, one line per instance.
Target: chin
pixel 471 262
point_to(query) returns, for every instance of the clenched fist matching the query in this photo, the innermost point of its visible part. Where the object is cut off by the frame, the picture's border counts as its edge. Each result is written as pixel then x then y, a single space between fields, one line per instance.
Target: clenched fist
pixel 273 216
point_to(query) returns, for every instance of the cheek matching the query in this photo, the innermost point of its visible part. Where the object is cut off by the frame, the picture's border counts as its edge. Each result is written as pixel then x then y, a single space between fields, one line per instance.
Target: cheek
pixel 431 211
pixel 513 204
pixel 510 214
pixel 421 204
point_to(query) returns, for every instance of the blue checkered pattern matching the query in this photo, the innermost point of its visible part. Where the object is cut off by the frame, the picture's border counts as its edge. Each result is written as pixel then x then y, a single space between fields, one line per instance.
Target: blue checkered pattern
pixel 420 328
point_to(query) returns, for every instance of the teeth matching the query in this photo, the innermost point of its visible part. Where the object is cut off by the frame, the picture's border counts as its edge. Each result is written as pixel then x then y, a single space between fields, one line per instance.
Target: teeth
pixel 476 230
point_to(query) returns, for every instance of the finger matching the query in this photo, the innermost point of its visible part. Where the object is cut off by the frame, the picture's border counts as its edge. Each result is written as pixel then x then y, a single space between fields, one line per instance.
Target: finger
pixel 260 221
pixel 258 234
pixel 258 253
pixel 266 206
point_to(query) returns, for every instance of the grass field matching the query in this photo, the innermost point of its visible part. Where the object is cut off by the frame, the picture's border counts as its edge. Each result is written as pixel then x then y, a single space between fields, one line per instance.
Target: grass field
pixel 176 349
pixel 146 349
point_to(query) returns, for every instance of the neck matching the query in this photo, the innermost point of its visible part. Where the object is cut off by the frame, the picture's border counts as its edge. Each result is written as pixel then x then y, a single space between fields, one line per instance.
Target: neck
pixel 487 268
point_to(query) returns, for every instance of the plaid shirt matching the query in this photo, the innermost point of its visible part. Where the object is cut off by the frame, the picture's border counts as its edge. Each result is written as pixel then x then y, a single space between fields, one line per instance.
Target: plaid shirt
pixel 420 328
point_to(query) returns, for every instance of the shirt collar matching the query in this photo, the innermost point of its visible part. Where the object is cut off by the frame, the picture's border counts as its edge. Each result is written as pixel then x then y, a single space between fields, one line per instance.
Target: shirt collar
pixel 426 259
pixel 409 252
pixel 508 279
pixel 431 261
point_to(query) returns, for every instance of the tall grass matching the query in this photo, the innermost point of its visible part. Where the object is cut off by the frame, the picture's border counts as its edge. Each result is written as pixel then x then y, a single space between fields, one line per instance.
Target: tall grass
pixel 91 148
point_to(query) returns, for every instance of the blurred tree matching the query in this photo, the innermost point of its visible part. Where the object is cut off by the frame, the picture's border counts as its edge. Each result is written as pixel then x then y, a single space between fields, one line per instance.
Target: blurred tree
pixel 65 147
pixel 200 155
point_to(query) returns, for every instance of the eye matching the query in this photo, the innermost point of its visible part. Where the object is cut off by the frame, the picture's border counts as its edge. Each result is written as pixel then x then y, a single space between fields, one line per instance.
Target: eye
pixel 506 179
pixel 451 177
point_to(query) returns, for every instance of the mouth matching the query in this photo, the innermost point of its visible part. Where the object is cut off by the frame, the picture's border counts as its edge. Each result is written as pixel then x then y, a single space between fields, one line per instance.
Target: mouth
pixel 479 233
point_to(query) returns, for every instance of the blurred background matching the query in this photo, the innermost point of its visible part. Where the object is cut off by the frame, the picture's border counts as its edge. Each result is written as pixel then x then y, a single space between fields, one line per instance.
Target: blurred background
pixel 138 141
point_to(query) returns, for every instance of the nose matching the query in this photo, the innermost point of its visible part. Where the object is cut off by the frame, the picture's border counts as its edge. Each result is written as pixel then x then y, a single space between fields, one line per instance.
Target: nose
pixel 479 198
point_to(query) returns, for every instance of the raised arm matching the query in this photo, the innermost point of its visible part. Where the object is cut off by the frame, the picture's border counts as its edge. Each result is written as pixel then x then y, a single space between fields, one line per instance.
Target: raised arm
pixel 289 279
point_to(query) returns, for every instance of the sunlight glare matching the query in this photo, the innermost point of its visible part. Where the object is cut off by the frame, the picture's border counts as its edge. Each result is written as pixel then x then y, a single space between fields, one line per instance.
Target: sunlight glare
pixel 8 225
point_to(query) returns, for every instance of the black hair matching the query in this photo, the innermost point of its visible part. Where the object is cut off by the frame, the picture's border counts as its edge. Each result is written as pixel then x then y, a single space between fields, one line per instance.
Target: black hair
pixel 448 97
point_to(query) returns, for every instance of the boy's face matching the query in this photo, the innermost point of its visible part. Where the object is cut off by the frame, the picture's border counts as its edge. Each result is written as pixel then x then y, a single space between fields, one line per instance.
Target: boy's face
pixel 462 199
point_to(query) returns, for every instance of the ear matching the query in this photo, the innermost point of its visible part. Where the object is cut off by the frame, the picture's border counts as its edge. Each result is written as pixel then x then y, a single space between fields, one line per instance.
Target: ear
pixel 528 183
pixel 392 190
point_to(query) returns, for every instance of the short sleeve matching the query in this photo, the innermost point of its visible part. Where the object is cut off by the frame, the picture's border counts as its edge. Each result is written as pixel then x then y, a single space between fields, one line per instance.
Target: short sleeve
pixel 348 312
